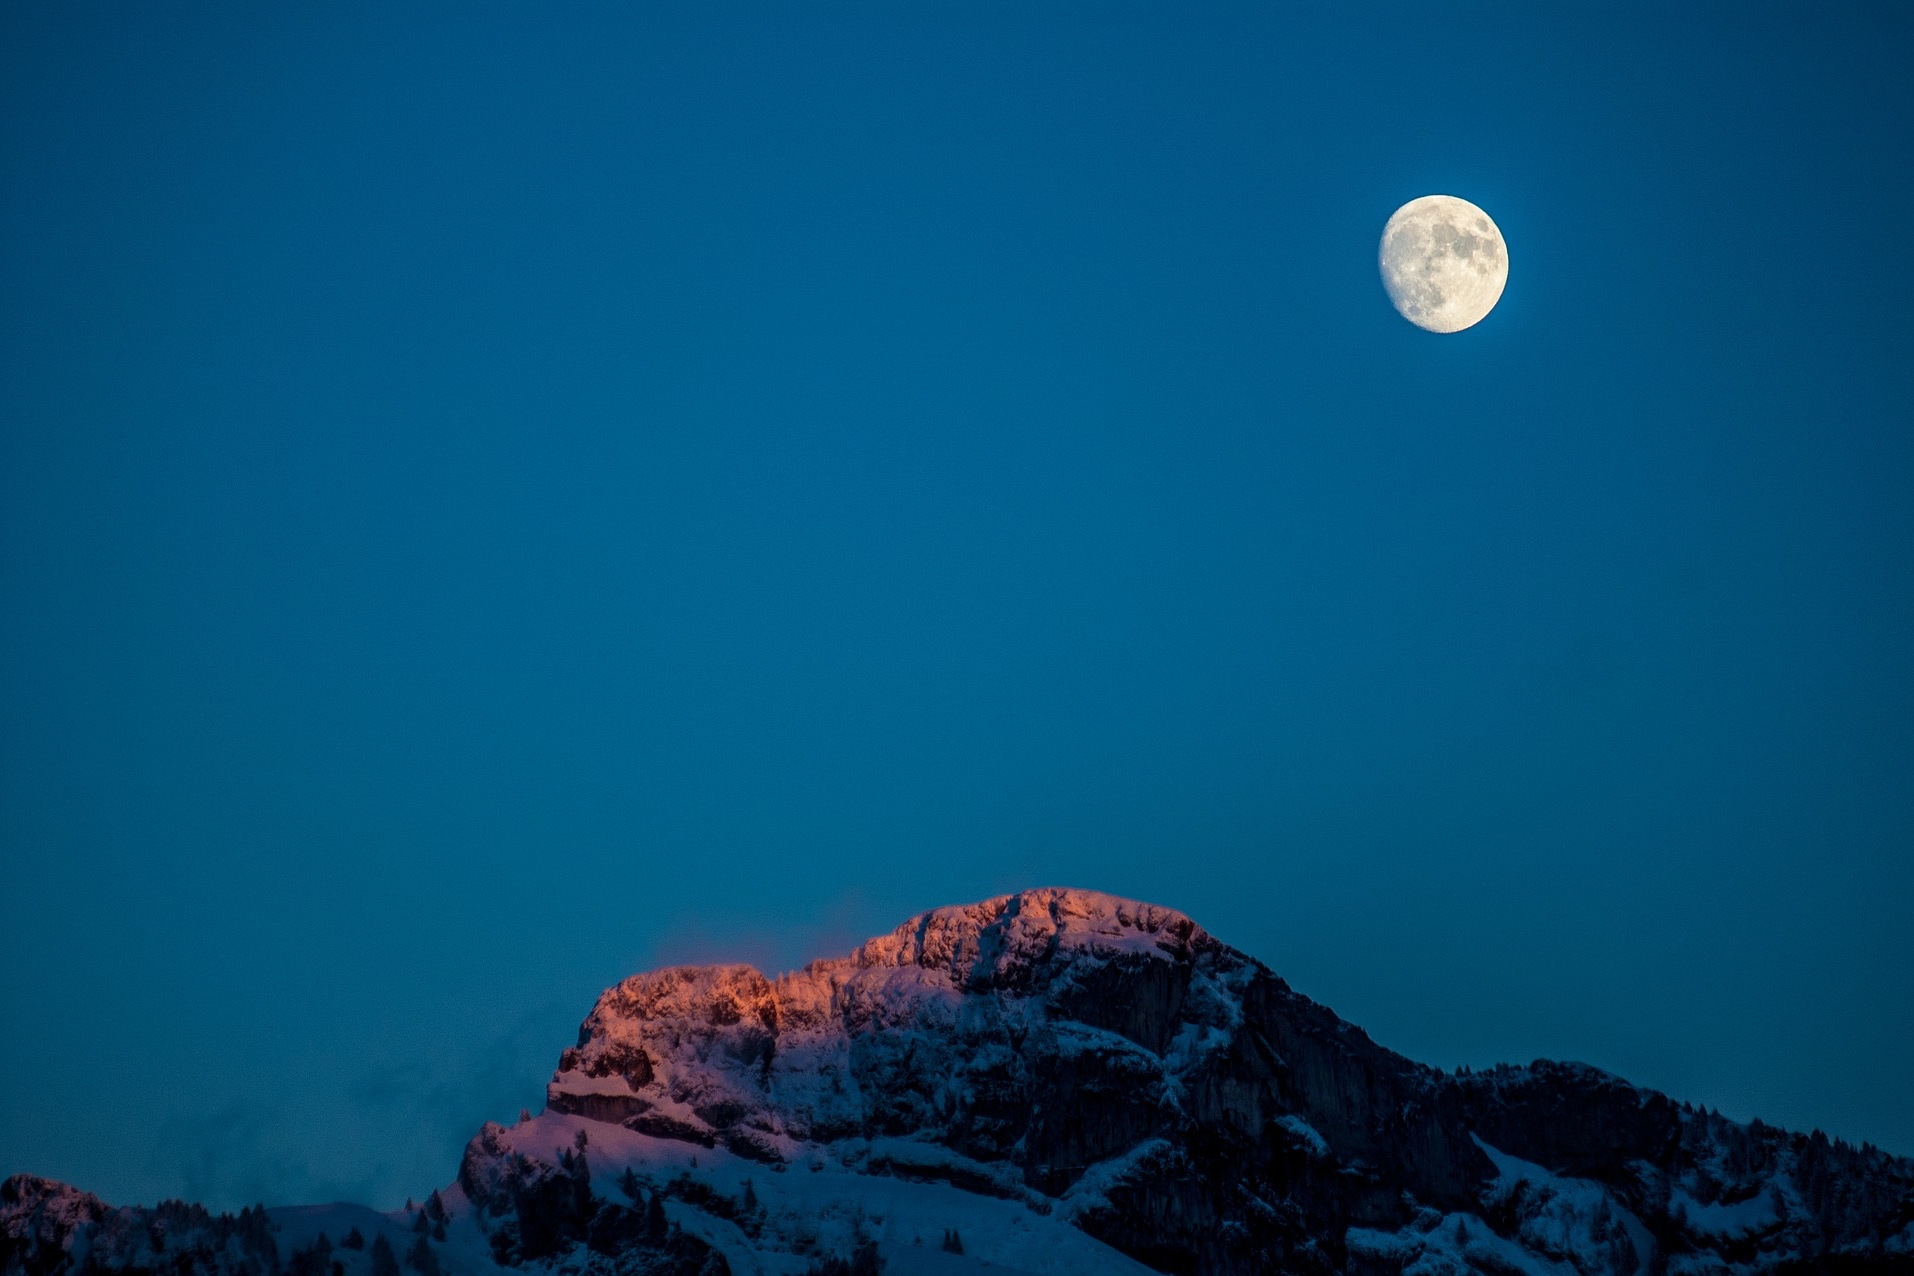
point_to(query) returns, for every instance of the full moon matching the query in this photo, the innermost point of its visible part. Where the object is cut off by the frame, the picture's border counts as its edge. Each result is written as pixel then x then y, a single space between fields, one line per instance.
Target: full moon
pixel 1443 263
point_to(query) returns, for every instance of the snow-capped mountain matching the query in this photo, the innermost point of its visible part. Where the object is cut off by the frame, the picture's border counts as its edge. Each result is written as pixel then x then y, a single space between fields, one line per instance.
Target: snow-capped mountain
pixel 1055 1081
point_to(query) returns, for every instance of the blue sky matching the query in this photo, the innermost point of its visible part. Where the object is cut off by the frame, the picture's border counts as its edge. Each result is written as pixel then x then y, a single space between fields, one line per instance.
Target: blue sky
pixel 490 503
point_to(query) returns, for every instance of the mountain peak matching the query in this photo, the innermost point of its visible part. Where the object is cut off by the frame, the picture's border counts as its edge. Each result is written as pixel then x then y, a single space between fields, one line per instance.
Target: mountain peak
pixel 723 1054
pixel 1076 1082
pixel 979 944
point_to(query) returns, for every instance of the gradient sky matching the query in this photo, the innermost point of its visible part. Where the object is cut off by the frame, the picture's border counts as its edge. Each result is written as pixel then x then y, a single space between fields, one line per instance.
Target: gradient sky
pixel 489 504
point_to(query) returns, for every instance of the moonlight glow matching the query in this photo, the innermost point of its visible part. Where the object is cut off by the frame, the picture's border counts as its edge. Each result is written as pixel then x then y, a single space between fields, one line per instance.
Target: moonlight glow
pixel 1443 263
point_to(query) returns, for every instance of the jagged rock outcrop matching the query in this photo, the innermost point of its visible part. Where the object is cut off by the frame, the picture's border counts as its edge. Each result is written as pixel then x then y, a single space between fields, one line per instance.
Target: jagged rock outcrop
pixel 1223 1122
pixel 1070 1078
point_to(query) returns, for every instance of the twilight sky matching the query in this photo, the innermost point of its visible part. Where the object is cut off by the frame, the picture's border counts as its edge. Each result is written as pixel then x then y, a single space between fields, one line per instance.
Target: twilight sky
pixel 489 504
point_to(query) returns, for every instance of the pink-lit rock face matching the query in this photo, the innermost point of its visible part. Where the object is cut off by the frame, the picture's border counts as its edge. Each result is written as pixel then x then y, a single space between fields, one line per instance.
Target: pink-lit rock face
pixel 941 1021
pixel 1110 1064
pixel 1002 941
pixel 1075 1083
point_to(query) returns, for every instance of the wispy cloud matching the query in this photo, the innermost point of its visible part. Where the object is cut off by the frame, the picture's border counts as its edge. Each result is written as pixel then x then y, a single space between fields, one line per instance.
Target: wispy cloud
pixel 714 937
pixel 392 1131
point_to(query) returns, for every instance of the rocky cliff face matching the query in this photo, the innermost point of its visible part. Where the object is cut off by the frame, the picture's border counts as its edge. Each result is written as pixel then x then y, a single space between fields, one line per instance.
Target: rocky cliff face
pixel 1179 1101
pixel 1081 1083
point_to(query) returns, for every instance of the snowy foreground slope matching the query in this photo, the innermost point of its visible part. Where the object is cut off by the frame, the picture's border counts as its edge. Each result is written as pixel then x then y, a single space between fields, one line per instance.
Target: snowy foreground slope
pixel 1056 1081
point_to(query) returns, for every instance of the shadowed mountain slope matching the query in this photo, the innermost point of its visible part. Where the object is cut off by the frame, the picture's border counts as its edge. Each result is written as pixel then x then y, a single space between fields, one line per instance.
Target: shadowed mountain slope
pixel 1066 1081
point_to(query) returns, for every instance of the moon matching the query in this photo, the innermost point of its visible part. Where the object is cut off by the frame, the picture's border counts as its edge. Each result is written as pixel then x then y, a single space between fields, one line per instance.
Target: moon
pixel 1443 263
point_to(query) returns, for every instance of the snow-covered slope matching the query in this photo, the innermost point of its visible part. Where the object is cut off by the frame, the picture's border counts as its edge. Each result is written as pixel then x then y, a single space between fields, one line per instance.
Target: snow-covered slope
pixel 779 1217
pixel 1054 1081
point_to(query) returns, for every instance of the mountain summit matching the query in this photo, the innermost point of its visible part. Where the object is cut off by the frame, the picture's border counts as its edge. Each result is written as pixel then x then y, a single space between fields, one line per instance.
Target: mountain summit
pixel 1053 1081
